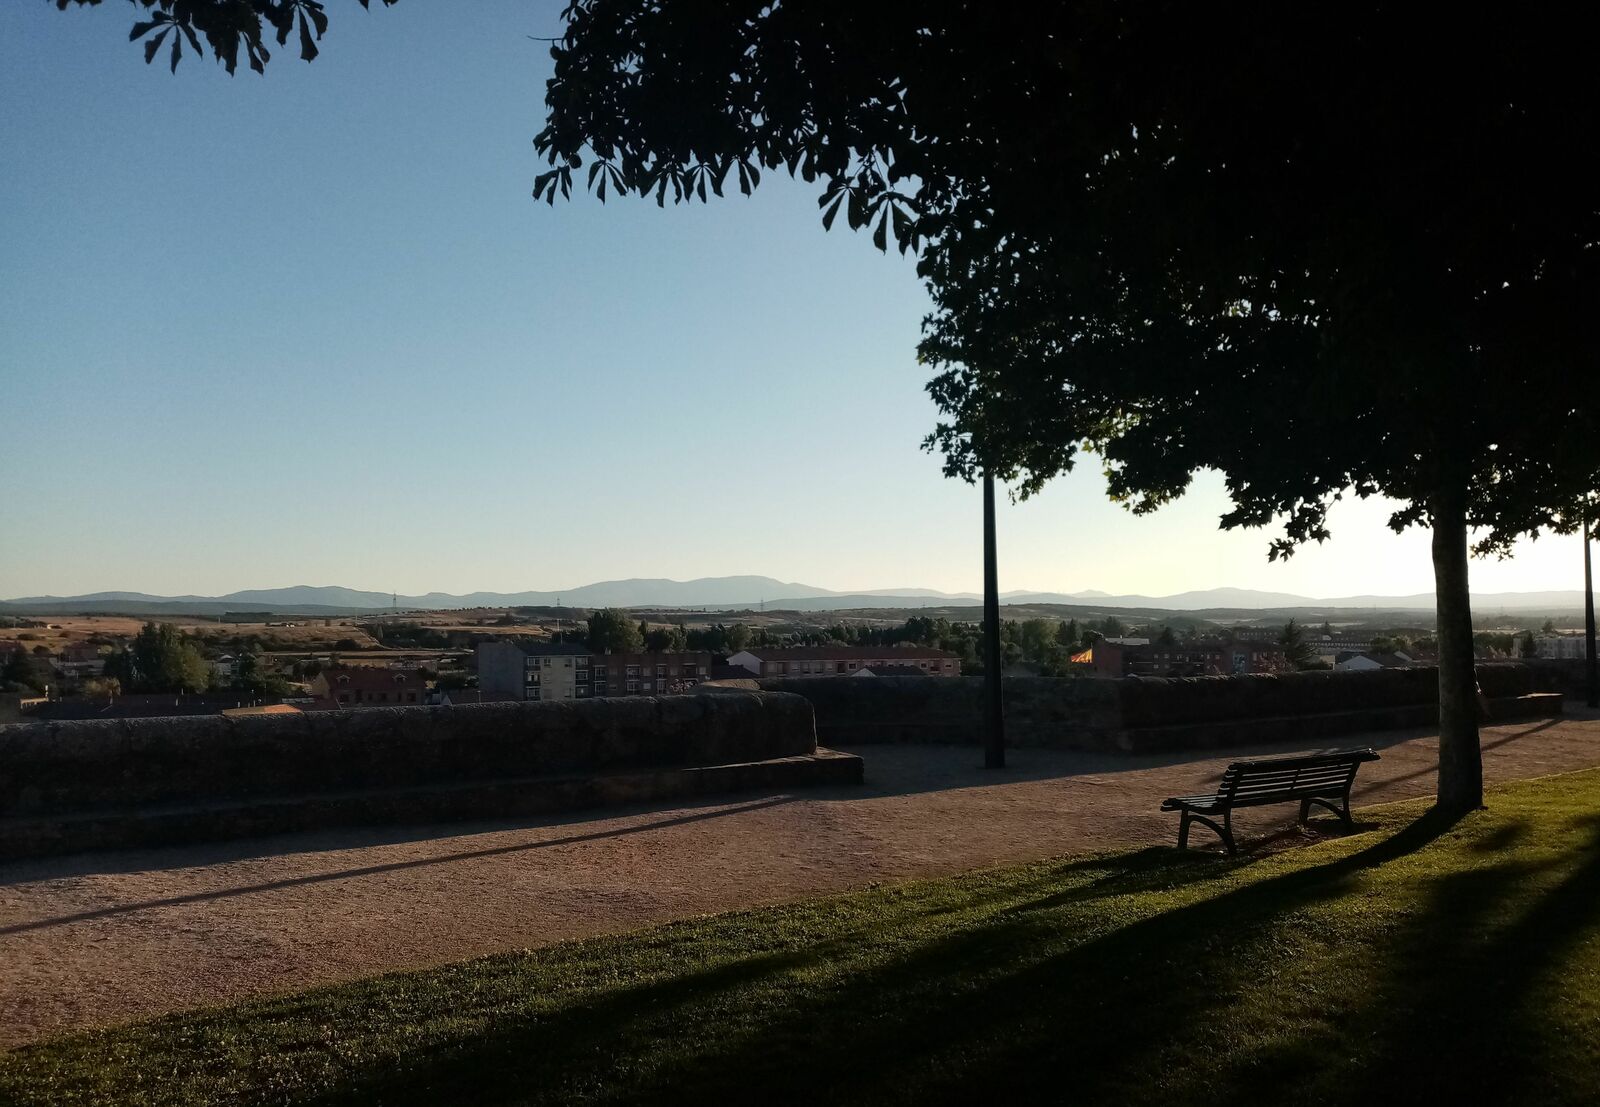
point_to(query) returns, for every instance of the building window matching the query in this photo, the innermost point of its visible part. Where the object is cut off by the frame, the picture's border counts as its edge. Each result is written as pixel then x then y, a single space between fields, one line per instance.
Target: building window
pixel 852 664
pixel 633 687
pixel 661 670
pixel 344 697
pixel 599 672
pixel 411 697
pixel 691 670
pixel 533 693
pixel 633 671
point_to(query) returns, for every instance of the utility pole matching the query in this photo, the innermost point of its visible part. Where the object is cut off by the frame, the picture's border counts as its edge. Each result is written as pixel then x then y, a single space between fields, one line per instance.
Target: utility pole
pixel 994 719
pixel 1592 673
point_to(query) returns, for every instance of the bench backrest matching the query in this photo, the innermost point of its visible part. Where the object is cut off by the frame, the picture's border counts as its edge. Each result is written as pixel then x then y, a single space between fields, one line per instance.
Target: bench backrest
pixel 1320 774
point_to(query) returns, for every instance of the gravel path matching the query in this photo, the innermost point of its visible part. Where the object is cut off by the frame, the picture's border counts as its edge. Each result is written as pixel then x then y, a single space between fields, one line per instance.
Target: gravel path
pixel 102 938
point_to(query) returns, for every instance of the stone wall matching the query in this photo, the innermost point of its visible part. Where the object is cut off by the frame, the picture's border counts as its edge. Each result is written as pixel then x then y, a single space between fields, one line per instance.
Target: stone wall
pixel 1148 713
pixel 1040 711
pixel 49 769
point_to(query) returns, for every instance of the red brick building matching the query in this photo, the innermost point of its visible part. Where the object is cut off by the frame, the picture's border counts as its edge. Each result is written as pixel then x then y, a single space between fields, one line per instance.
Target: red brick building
pixel 369 686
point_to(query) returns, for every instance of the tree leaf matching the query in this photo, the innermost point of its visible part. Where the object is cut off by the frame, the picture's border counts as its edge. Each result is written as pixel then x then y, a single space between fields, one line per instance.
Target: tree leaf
pixel 829 215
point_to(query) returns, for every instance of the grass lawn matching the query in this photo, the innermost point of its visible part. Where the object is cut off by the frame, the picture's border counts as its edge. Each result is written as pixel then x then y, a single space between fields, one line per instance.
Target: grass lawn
pixel 1412 962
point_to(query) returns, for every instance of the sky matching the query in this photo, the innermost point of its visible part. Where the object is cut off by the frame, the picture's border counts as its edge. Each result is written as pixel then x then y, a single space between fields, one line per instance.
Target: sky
pixel 312 328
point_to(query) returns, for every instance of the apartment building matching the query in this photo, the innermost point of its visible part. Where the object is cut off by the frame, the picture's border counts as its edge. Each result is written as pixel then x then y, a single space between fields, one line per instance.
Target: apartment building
pixel 567 671
pixel 536 671
pixel 792 661
pixel 1561 646
pixel 644 674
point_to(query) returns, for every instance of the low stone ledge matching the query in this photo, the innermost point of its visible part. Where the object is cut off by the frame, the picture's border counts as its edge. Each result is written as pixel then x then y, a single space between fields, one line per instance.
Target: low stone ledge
pixel 129 828
pixel 78 767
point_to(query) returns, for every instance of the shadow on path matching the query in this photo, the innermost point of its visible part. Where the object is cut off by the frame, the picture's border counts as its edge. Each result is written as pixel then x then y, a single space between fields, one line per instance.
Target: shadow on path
pixel 390 867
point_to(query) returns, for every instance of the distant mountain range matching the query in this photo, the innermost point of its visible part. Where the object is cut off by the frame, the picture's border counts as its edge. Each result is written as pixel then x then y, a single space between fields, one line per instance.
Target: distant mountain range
pixel 742 592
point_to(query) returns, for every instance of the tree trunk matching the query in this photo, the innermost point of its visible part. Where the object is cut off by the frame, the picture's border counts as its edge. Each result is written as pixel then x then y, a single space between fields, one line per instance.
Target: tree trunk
pixel 1460 760
pixel 994 719
pixel 1590 664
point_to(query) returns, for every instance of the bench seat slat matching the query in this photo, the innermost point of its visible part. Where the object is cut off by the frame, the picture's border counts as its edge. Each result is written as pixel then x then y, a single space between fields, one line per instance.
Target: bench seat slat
pixel 1279 779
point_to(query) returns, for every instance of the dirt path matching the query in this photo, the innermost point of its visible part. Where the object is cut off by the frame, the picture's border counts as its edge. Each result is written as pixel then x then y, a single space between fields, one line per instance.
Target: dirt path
pixel 101 938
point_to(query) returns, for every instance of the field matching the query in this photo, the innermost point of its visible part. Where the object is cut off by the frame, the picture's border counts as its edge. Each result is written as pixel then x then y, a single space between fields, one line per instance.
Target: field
pixel 1416 961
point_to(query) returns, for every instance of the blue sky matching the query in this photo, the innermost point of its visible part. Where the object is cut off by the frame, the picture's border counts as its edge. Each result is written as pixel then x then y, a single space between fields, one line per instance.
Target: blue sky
pixel 312 328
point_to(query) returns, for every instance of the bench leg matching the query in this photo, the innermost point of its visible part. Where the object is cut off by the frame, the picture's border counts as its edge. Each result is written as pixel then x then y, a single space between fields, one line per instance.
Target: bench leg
pixel 1340 809
pixel 1305 810
pixel 1224 831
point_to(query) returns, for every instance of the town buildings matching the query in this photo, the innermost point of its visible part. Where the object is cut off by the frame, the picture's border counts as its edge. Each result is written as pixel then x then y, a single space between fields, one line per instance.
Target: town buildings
pixel 1560 647
pixel 1117 657
pixel 1353 661
pixel 792 661
pixel 568 671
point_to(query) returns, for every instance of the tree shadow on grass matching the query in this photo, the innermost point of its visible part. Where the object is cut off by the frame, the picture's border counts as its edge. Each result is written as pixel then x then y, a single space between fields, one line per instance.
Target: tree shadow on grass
pixel 1488 988
pixel 1029 995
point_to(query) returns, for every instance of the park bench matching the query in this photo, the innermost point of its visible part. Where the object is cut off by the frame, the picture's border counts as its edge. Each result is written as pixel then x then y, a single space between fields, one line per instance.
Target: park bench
pixel 1323 779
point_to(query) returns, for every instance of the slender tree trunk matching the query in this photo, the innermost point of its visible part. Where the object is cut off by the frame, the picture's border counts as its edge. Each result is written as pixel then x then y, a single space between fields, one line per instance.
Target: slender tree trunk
pixel 1460 759
pixel 994 719
pixel 1590 665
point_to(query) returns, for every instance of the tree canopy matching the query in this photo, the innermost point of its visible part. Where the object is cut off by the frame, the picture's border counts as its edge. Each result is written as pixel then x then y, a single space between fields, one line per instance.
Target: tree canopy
pixel 611 630
pixel 228 26
pixel 160 659
pixel 1347 249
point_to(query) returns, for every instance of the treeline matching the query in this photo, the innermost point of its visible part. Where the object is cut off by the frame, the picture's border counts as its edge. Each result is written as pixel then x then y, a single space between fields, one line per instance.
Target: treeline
pixel 162 659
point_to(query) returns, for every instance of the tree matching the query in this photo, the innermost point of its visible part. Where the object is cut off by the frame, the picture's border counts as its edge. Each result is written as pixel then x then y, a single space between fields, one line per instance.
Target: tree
pixel 24 672
pixel 612 631
pixel 228 26
pixel 1112 627
pixel 738 637
pixel 1549 626
pixel 252 678
pixel 160 659
pixel 1037 637
pixel 1167 638
pixel 1296 650
pixel 101 687
pixel 1147 229
pixel 1067 634
pixel 1528 649
pixel 666 639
